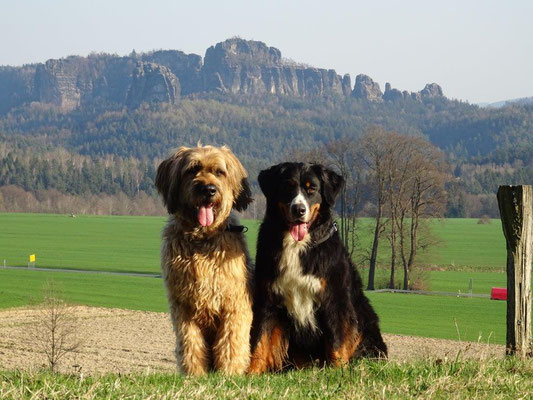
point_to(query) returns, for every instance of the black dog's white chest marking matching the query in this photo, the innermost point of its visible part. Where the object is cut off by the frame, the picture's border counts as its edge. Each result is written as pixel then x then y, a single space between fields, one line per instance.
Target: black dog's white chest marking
pixel 299 291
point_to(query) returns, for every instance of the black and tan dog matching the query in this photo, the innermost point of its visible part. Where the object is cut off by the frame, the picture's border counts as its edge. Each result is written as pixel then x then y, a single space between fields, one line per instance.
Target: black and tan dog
pixel 204 259
pixel 308 303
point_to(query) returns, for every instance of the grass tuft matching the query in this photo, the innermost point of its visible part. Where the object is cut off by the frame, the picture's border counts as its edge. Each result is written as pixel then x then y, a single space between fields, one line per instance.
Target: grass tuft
pixel 365 379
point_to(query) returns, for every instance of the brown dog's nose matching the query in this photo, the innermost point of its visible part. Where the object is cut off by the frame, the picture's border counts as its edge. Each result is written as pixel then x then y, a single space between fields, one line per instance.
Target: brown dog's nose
pixel 207 190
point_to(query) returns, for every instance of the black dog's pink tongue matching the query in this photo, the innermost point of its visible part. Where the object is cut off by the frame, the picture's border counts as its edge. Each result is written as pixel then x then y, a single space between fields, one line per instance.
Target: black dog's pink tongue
pixel 298 231
pixel 205 215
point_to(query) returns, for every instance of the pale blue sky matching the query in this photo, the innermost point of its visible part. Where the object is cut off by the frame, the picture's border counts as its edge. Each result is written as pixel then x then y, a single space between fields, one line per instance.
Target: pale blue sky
pixel 480 51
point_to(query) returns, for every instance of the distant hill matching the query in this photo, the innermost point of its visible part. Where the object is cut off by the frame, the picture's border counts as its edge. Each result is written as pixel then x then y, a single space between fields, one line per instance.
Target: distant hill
pixel 498 104
pixel 234 66
pixel 99 124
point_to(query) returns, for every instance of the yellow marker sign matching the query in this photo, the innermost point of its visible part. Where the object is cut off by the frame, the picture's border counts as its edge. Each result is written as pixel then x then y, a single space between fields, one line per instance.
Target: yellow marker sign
pixel 32 257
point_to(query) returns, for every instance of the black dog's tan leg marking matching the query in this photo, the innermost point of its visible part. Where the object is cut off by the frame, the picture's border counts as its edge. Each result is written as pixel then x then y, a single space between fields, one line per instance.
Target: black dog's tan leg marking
pixel 342 354
pixel 300 361
pixel 271 352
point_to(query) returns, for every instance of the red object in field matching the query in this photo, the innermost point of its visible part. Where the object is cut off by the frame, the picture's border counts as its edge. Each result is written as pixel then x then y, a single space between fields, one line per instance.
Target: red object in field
pixel 498 293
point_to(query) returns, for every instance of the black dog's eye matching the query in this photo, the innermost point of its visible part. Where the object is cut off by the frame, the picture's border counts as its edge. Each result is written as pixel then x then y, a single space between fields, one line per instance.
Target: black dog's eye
pixel 220 172
pixel 290 184
pixel 311 190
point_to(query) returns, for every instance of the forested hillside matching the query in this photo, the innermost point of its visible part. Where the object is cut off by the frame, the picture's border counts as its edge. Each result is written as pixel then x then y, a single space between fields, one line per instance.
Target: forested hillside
pixel 100 144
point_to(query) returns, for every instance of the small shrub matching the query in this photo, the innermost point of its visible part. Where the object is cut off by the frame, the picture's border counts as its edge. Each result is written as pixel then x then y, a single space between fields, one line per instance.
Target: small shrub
pixel 420 278
pixel 56 329
pixel 484 220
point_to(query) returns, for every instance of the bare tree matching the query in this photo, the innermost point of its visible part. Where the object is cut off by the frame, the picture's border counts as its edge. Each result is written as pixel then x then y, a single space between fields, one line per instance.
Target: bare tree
pixel 56 330
pixel 342 155
pixel 426 198
pixel 407 176
pixel 373 149
pixel 397 182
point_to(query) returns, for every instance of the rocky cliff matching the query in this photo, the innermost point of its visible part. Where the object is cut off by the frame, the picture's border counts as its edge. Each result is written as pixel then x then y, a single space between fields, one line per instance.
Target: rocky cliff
pixel 239 66
pixel 366 88
pixel 234 66
pixel 65 82
pixel 186 67
pixel 152 83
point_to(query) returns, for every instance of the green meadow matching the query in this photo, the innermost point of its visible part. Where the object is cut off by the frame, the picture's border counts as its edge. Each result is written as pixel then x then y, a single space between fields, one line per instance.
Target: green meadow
pixel 126 244
pixel 131 244
pixel 466 251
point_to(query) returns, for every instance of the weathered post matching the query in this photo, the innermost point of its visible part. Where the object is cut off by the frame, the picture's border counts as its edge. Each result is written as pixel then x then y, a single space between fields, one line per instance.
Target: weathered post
pixel 516 213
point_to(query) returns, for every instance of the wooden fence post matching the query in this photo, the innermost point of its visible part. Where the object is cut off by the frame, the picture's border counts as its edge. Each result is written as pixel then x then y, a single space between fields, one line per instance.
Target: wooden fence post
pixel 516 213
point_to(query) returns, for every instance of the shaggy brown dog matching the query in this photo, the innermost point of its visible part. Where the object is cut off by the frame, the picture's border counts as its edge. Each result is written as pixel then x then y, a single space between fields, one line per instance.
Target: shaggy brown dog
pixel 205 262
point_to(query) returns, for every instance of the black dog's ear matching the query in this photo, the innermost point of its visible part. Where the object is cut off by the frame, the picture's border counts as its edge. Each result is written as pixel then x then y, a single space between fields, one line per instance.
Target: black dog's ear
pixel 269 179
pixel 332 183
pixel 245 196
pixel 166 184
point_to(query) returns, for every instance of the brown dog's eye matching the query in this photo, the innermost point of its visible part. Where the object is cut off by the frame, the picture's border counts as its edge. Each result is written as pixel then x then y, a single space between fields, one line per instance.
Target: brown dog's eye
pixel 311 190
pixel 220 172
pixel 193 170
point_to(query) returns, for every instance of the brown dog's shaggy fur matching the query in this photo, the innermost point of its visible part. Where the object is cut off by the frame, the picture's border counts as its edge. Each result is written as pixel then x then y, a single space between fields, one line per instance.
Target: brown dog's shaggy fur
pixel 206 265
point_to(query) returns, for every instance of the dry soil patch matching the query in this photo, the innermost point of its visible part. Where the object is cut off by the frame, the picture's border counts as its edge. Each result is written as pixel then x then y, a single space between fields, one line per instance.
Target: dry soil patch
pixel 116 340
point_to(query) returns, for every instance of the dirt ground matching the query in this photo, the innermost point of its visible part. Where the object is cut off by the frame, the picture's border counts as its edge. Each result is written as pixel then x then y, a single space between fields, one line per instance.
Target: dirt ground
pixel 115 340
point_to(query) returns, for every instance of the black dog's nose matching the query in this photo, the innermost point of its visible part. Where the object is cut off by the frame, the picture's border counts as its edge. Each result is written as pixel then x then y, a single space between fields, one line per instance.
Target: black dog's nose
pixel 208 190
pixel 298 210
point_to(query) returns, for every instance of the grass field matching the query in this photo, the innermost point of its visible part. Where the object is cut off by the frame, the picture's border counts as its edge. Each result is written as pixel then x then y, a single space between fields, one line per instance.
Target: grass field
pixel 131 244
pixel 18 288
pixel 429 379
pixel 85 242
pixel 122 243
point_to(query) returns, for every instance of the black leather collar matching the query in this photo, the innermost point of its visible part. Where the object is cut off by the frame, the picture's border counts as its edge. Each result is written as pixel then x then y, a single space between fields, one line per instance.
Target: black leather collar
pixel 330 233
pixel 237 228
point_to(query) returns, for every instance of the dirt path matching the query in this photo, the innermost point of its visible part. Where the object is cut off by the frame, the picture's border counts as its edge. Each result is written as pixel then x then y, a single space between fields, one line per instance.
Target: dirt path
pixel 123 341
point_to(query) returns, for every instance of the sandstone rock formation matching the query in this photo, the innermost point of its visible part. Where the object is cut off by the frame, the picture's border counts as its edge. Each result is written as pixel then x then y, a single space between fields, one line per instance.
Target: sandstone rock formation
pixel 346 85
pixel 250 67
pixel 392 94
pixel 186 67
pixel 59 82
pixel 365 88
pixel 431 90
pixel 153 83
pixel 235 66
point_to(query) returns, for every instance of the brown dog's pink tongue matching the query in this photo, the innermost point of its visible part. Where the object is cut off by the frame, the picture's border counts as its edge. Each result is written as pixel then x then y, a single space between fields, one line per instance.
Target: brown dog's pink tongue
pixel 298 231
pixel 205 215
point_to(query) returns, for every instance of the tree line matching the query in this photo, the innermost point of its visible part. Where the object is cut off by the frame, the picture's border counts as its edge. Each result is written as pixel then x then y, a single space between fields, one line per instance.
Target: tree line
pixel 76 175
pixel 486 148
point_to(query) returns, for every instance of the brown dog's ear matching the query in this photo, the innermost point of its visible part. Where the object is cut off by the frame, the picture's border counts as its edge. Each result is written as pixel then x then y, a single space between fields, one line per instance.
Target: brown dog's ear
pixel 238 178
pixel 245 196
pixel 162 178
pixel 331 183
pixel 166 181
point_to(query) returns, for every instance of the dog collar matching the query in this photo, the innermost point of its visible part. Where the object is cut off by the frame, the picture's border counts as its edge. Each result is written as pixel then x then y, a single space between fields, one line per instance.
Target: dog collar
pixel 330 233
pixel 237 228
